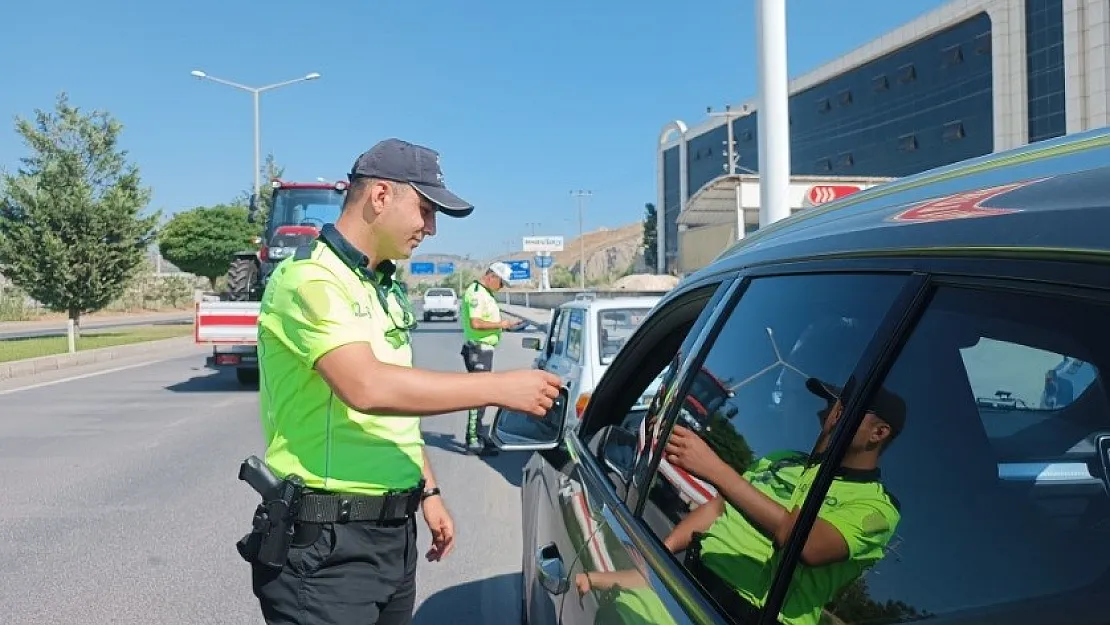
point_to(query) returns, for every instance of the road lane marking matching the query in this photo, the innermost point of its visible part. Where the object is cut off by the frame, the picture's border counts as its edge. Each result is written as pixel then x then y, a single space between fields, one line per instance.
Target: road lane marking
pixel 83 376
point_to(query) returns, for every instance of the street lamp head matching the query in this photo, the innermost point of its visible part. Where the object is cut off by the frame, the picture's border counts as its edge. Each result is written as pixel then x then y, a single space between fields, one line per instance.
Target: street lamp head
pixel 312 76
pixel 198 73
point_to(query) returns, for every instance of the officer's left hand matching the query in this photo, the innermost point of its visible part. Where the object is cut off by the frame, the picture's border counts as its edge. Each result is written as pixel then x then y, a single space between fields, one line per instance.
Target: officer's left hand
pixel 441 526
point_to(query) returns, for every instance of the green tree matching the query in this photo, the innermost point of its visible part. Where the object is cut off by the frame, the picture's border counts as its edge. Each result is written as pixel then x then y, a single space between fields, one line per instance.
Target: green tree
pixel 562 278
pixel 855 605
pixel 72 233
pixel 651 237
pixel 202 241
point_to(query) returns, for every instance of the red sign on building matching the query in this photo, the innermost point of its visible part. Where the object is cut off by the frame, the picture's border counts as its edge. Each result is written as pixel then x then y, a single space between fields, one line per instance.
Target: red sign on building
pixel 822 193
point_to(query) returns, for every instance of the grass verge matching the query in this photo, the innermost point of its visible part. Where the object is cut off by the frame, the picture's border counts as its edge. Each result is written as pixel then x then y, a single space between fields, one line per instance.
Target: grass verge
pixel 34 347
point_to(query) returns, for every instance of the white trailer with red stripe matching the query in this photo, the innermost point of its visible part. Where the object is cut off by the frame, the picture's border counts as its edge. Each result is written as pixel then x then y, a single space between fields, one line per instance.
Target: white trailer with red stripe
pixel 231 328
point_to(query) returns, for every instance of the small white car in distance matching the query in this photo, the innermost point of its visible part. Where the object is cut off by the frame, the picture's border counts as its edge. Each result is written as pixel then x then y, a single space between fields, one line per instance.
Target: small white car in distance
pixel 441 302
pixel 583 337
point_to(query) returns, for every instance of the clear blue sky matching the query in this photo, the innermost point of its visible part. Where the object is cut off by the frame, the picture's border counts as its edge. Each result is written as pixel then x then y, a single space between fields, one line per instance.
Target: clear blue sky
pixel 525 101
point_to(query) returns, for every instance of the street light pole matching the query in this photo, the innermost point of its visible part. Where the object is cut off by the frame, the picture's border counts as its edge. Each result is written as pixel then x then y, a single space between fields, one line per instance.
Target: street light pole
pixel 774 119
pixel 732 166
pixel 256 92
pixel 581 195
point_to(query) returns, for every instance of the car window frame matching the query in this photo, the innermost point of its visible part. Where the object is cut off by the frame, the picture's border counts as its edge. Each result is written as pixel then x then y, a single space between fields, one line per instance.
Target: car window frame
pixel 558 347
pixel 615 508
pixel 896 325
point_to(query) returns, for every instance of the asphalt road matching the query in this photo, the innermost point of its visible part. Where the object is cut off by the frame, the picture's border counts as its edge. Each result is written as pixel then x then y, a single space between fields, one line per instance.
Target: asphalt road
pixel 33 329
pixel 122 503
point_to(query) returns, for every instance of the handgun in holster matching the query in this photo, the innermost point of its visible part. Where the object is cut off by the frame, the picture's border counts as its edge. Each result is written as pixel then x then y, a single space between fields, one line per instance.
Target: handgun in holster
pixel 272 527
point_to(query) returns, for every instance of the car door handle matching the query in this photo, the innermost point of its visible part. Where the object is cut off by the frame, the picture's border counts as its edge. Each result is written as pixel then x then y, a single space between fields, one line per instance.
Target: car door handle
pixel 550 569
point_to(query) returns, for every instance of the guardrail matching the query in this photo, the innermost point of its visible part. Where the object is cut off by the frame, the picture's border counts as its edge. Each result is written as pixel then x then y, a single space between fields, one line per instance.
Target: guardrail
pixel 556 297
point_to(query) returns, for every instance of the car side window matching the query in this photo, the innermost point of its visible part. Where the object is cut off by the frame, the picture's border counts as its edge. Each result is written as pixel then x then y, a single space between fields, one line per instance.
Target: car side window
pixel 750 432
pixel 1001 470
pixel 576 330
pixel 614 433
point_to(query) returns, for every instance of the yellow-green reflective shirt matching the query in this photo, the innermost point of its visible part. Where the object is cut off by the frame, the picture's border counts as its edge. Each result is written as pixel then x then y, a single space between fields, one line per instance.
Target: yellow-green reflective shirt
pixel 479 303
pixel 315 302
pixel 856 504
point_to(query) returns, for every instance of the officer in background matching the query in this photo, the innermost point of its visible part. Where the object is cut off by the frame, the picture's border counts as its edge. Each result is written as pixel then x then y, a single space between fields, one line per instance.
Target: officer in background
pixel 482 326
pixel 340 402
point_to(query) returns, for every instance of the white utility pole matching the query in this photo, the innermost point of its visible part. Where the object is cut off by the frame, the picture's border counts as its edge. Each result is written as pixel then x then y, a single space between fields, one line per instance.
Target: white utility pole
pixel 774 120
pixel 732 164
pixel 256 92
pixel 581 195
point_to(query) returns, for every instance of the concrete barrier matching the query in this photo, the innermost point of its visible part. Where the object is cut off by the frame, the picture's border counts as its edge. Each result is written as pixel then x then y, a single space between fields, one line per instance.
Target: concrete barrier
pixel 31 366
pixel 556 297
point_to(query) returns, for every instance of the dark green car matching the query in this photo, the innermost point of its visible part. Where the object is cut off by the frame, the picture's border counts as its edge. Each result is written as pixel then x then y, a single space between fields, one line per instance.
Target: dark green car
pixel 896 441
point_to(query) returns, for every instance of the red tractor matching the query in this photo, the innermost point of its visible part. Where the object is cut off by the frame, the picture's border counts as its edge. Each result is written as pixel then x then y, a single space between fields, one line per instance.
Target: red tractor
pixel 297 212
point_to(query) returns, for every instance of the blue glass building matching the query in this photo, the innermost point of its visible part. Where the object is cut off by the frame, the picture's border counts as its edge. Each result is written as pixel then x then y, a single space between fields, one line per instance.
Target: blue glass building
pixel 969 78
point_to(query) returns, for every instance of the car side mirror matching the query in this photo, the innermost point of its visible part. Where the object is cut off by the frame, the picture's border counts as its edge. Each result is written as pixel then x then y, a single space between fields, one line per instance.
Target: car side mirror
pixel 531 343
pixel 252 211
pixel 517 431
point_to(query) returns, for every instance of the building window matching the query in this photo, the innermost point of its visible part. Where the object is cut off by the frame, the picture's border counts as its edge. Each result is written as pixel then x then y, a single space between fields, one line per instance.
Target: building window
pixel 1044 63
pixel 907 73
pixel 952 55
pixel 899 105
pixel 907 143
pixel 954 131
pixel 983 43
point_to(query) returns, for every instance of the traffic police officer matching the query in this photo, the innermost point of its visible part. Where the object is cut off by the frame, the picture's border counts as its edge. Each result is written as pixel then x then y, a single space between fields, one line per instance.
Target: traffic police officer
pixel 340 400
pixel 482 326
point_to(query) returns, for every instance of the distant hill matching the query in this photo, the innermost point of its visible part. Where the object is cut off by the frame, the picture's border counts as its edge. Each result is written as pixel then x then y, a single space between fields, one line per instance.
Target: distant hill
pixel 610 252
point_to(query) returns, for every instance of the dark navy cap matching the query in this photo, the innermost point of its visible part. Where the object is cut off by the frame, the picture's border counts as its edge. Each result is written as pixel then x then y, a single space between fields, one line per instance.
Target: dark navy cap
pixel 401 161
pixel 886 405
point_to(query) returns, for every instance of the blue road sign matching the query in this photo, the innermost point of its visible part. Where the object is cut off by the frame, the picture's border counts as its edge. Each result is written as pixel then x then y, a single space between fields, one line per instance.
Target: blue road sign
pixel 445 268
pixel 544 262
pixel 422 269
pixel 522 270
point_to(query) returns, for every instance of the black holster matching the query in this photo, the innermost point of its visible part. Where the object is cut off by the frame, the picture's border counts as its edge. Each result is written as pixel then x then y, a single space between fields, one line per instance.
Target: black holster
pixel 272 527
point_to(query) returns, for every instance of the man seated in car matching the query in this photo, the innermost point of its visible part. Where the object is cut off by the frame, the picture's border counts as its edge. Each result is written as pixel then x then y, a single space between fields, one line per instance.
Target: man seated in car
pixel 731 540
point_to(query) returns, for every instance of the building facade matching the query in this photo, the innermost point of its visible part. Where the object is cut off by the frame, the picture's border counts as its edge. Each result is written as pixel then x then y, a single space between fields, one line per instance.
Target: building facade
pixel 967 79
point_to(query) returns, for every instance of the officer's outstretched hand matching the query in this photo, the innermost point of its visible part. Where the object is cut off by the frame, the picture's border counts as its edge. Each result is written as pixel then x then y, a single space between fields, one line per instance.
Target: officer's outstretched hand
pixel 531 391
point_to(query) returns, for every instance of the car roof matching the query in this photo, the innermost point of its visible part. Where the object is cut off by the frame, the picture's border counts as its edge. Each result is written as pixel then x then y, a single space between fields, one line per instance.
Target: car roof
pixel 1051 197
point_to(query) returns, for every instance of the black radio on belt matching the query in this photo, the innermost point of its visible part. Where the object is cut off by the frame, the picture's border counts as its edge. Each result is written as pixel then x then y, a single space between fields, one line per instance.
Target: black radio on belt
pixel 272 527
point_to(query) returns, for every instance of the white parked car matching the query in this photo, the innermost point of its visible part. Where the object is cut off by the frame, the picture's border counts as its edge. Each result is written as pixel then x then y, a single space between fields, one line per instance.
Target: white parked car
pixel 584 336
pixel 441 302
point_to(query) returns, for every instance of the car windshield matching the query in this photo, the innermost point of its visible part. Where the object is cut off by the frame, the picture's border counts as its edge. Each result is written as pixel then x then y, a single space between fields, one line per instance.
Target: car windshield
pixel 308 207
pixel 439 293
pixel 614 326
